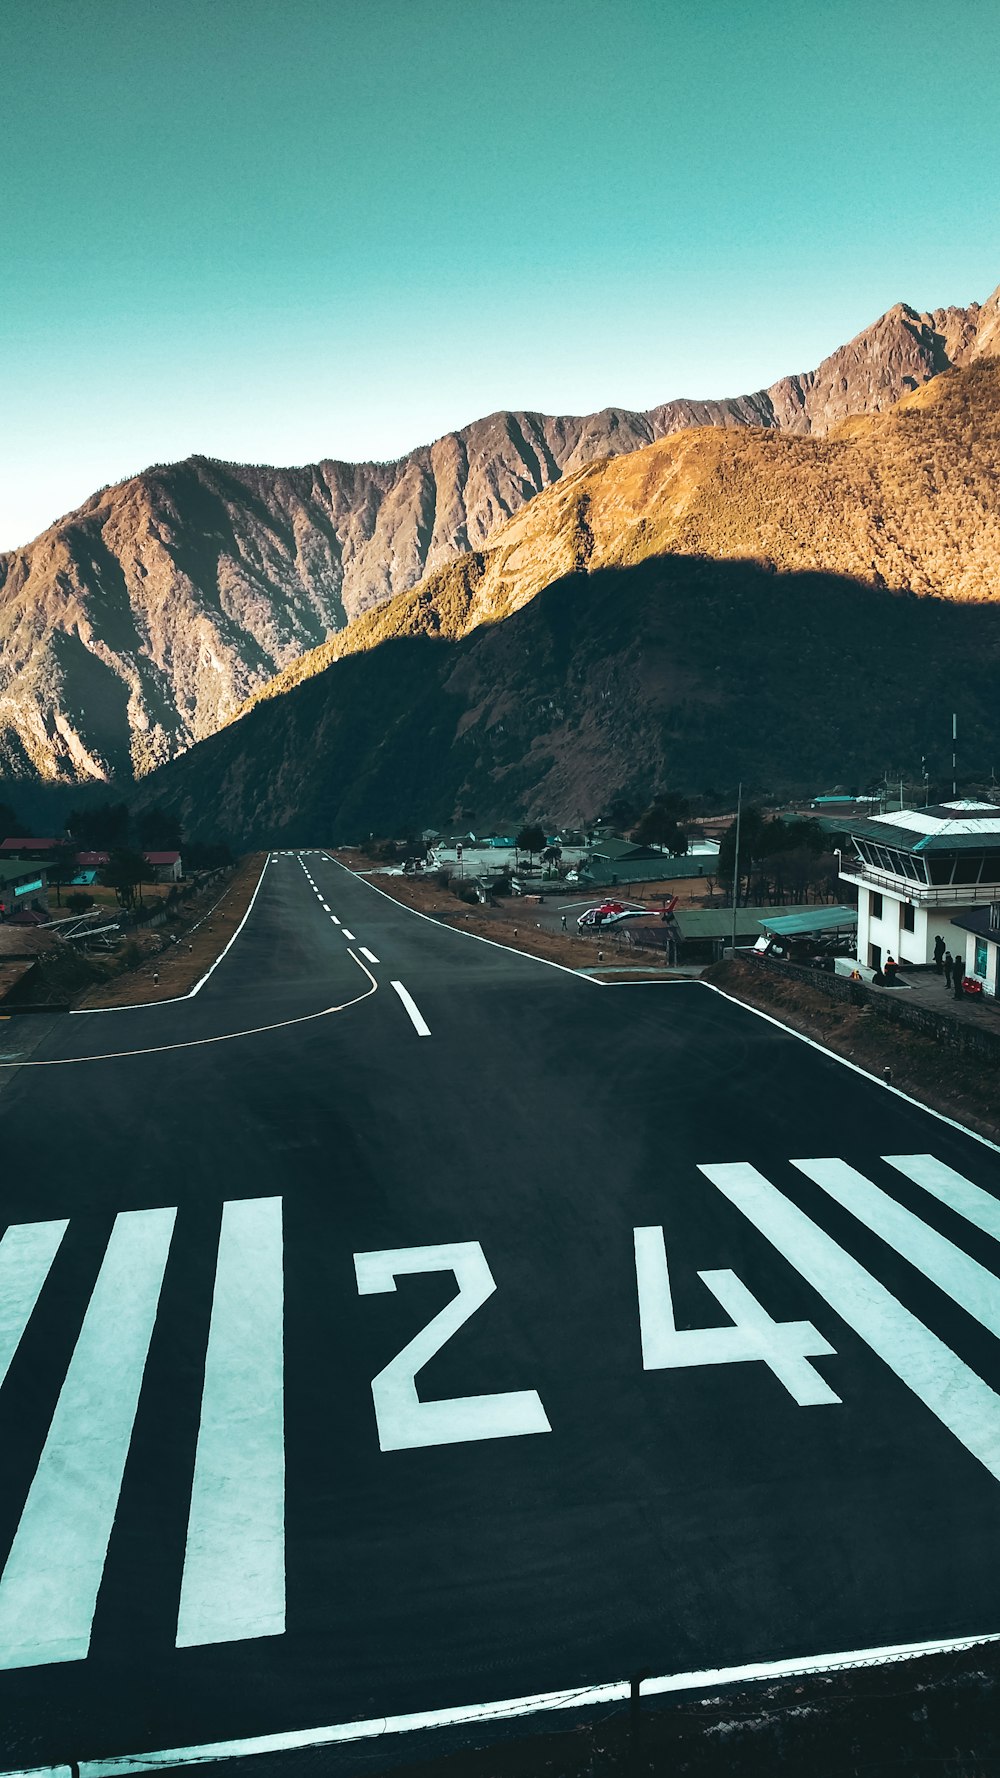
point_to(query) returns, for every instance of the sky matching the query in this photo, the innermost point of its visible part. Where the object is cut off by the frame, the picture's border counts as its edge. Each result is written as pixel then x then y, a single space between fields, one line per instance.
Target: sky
pixel 279 230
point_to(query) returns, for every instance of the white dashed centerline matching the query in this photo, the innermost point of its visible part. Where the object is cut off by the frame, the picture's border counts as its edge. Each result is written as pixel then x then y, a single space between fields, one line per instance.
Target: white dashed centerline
pixel 369 954
pixel 416 1017
pixel 334 919
pixel 325 906
pixel 347 934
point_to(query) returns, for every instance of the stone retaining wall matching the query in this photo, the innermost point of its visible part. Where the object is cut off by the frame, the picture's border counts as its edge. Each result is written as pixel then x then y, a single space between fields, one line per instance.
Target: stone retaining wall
pixel 895 1008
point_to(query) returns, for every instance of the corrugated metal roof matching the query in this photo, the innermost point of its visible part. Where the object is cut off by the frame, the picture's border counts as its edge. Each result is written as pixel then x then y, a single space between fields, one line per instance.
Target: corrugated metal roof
pixel 806 920
pixel 718 922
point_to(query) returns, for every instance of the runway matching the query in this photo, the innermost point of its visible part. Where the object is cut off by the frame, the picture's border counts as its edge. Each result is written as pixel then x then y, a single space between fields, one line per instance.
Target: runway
pixel 402 1325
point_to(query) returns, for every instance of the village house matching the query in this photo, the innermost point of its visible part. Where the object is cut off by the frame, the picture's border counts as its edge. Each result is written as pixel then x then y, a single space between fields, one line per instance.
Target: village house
pixel 23 890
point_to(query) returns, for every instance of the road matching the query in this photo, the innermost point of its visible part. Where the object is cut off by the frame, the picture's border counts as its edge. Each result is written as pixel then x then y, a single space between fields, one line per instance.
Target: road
pixel 732 1401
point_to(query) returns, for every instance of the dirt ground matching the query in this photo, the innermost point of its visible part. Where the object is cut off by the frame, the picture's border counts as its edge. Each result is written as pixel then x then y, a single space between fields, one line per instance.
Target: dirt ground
pixel 513 923
pixel 206 928
pixel 963 1087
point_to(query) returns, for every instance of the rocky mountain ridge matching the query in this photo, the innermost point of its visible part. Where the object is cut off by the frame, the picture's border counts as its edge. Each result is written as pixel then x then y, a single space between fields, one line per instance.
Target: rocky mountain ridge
pixel 143 621
pixel 718 604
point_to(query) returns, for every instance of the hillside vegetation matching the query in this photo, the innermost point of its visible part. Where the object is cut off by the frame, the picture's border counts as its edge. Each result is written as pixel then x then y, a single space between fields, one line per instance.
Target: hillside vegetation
pixel 143 621
pixel 906 500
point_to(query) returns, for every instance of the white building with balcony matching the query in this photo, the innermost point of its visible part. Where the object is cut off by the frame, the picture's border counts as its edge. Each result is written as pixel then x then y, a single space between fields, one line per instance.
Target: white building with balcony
pixel 915 871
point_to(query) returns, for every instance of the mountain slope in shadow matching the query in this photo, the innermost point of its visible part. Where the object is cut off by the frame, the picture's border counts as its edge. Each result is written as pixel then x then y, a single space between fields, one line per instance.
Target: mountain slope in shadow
pixel 678 671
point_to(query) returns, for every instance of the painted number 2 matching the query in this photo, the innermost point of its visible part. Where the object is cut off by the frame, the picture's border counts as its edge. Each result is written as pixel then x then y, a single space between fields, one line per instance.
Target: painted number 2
pixel 403 1420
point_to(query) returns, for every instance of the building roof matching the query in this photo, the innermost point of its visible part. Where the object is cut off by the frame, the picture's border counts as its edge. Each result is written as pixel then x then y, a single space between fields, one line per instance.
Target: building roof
pixel 161 857
pixel 718 922
pixel 807 920
pixel 12 845
pixel 977 920
pixel 946 827
pixel 13 869
pixel 660 868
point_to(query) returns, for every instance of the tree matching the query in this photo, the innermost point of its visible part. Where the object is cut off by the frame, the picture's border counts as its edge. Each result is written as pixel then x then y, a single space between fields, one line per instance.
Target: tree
pixel 658 827
pixel 78 903
pixel 124 873
pixel 531 839
pixel 751 830
pixel 551 856
pixel 61 867
pixel 9 828
pixel 101 828
pixel 159 831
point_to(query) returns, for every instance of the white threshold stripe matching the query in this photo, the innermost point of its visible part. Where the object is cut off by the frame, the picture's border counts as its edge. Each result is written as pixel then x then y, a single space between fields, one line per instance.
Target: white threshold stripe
pixel 950 1188
pixel 26 1254
pixel 968 1283
pixel 498 1710
pixel 234 1563
pixel 48 1593
pixel 365 952
pixel 414 1013
pixel 959 1398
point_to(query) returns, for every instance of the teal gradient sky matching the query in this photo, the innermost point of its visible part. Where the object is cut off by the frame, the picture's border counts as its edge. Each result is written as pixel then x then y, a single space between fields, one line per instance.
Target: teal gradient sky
pixel 275 230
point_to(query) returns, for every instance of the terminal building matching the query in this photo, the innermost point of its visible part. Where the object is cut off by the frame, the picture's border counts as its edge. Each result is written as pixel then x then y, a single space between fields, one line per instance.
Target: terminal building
pixel 920 873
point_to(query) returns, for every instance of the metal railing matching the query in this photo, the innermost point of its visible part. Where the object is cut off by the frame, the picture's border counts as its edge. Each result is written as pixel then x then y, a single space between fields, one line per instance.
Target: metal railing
pixel 922 894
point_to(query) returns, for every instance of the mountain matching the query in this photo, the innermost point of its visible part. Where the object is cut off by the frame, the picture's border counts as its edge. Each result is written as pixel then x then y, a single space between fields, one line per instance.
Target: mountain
pixel 140 623
pixel 715 605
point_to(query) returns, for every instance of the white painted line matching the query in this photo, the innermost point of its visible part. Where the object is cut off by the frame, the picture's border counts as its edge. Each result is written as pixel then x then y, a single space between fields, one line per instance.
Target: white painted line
pixel 144 1006
pixel 49 1588
pixel 968 1283
pixel 950 1188
pixel 420 1024
pixel 194 1043
pixel 349 935
pixel 334 919
pixel 26 1254
pixel 960 1399
pixel 365 952
pixel 510 950
pixel 498 1710
pixel 324 905
pixel 234 1562
pixel 831 1056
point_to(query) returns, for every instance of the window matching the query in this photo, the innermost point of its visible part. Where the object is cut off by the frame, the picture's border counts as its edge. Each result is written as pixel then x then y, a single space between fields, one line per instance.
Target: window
pixel 876 906
pixel 981 958
pixel 908 918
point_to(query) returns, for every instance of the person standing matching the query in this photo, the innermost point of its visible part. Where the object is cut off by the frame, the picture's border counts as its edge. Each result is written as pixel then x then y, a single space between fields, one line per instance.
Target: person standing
pixel 957 976
pixel 949 964
pixel 938 953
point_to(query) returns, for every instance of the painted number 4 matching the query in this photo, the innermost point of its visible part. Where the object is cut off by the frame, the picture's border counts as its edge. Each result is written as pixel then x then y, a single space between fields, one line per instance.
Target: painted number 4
pixel 785 1346
pixel 405 1422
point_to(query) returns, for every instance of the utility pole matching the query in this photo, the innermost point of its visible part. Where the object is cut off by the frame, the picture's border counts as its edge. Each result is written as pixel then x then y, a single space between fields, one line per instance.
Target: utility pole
pixel 954 741
pixel 736 863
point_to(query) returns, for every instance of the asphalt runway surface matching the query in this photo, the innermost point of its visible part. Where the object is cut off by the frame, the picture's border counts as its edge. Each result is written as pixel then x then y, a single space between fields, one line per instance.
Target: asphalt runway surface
pixel 402 1324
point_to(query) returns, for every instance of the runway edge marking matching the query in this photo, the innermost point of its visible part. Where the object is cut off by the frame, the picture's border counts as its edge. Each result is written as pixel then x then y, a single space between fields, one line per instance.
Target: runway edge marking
pixel 832 1056
pixel 510 950
pixel 579 1698
pixel 175 999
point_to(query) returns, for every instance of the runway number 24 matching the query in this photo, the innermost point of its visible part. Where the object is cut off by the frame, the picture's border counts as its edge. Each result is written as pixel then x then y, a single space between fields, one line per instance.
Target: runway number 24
pixel 405 1422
